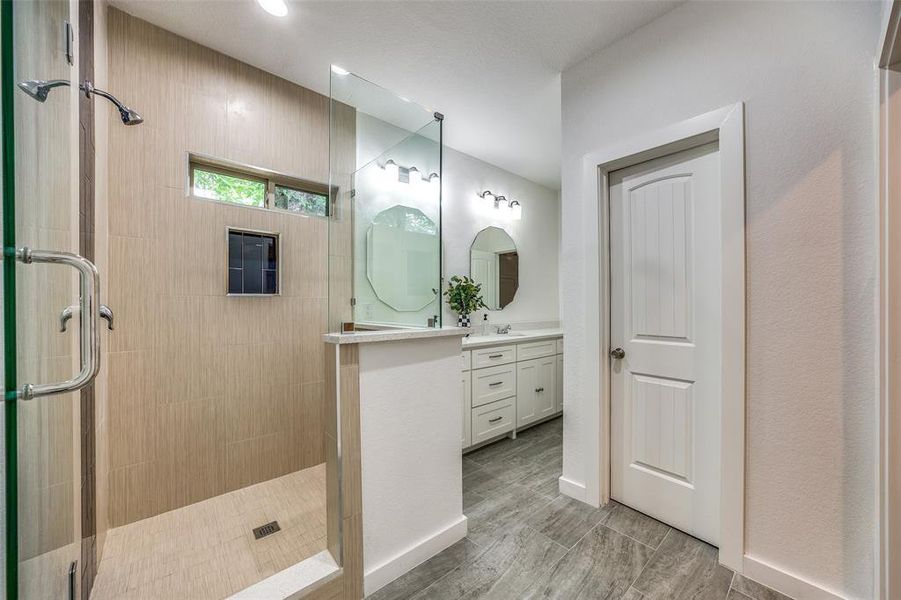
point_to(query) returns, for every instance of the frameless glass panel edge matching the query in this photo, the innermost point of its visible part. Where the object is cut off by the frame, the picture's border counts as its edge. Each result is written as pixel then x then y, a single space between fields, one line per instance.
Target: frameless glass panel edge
pixel 9 299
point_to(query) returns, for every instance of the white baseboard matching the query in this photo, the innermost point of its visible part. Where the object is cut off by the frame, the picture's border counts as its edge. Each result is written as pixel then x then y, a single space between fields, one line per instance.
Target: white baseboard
pixel 787 583
pixel 572 489
pixel 381 575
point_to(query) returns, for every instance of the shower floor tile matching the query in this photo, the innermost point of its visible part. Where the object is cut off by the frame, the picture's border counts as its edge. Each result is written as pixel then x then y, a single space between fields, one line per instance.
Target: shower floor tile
pixel 207 550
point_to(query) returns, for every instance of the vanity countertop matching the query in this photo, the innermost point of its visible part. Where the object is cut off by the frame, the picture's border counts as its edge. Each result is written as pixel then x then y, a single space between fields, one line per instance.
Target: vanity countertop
pixel 514 337
pixel 392 335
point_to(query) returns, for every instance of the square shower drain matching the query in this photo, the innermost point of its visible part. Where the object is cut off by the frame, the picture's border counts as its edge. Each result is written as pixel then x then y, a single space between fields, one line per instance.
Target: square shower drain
pixel 267 529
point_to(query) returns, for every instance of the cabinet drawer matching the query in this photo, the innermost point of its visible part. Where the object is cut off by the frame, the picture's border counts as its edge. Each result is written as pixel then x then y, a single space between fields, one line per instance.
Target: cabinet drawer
pixel 467 360
pixel 540 349
pixel 493 383
pixel 560 346
pixel 493 419
pixel 489 357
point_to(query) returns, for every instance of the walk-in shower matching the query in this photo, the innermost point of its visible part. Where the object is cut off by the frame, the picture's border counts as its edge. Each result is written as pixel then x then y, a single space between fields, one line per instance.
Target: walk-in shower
pixel 194 465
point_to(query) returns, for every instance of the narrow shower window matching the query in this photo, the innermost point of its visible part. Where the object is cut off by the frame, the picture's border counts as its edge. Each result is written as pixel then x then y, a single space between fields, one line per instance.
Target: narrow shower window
pixel 219 185
pixel 294 200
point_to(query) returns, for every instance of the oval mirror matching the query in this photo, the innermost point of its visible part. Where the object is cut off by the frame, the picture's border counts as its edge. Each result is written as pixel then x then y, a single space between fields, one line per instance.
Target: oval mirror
pixel 402 258
pixel 494 262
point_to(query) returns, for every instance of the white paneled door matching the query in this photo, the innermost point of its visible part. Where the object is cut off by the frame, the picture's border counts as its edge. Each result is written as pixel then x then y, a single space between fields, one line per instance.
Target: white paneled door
pixel 665 336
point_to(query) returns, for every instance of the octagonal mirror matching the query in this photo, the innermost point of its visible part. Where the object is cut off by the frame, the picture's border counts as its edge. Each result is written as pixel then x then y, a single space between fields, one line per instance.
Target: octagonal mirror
pixel 402 258
pixel 494 262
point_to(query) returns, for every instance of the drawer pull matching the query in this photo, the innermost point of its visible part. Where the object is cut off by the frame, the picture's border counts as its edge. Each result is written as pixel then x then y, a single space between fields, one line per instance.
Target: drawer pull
pixel 495 419
pixel 539 389
pixel 495 356
pixel 495 383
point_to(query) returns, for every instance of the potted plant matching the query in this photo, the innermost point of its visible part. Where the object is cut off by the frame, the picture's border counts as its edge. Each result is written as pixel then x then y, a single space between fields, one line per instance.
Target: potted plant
pixel 464 296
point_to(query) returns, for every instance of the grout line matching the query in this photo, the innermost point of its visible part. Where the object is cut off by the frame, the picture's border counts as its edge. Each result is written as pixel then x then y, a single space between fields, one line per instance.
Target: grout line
pixel 626 535
pixel 647 562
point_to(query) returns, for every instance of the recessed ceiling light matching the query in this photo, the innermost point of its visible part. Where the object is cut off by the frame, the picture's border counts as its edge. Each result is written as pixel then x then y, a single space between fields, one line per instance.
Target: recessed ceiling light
pixel 338 70
pixel 276 8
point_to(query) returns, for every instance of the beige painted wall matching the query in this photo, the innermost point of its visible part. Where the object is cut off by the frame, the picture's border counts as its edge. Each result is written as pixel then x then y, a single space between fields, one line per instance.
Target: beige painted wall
pixel 207 393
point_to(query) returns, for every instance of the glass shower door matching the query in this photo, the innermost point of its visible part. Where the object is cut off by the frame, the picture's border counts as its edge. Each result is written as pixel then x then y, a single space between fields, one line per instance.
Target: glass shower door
pixel 40 212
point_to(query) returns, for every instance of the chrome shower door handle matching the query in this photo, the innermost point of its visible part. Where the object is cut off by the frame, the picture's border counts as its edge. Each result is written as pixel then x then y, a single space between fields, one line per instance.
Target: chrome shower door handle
pixel 105 313
pixel 88 288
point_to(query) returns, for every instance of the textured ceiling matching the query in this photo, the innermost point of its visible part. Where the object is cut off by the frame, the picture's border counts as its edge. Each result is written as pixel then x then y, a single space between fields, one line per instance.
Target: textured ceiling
pixel 493 68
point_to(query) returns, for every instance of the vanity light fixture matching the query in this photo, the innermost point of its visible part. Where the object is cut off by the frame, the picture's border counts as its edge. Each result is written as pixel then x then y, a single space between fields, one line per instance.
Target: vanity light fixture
pixel 411 175
pixel 501 203
pixel 276 8
pixel 414 177
pixel 391 170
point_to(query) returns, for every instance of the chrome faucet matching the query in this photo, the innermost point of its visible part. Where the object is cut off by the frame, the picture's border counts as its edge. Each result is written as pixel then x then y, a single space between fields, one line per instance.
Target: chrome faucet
pixel 503 329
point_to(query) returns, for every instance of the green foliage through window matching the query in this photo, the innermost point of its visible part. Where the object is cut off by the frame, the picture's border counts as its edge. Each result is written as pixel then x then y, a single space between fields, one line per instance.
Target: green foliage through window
pixel 227 188
pixel 259 190
pixel 294 200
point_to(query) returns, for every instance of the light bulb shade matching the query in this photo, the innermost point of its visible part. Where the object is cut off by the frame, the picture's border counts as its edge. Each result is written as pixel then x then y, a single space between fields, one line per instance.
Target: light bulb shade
pixel 434 177
pixel 516 207
pixel 487 196
pixel 501 202
pixel 391 170
pixel 414 177
pixel 276 8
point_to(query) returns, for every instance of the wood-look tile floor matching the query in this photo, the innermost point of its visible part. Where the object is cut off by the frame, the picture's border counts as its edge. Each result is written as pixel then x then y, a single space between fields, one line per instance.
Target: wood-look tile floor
pixel 527 541
pixel 207 550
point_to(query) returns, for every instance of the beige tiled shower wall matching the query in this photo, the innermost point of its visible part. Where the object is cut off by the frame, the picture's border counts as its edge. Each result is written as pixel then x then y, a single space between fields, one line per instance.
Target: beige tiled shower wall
pixel 207 393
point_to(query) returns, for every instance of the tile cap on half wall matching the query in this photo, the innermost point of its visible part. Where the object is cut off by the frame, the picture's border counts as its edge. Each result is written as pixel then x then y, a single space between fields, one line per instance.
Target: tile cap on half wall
pixel 393 335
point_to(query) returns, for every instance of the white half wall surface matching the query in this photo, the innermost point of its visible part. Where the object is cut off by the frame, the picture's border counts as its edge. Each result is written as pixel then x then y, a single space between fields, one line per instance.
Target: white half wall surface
pixel 412 475
pixel 806 74
pixel 537 234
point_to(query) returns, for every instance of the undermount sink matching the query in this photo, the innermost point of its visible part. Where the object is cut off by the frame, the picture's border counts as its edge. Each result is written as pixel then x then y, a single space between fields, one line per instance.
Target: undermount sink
pixel 498 336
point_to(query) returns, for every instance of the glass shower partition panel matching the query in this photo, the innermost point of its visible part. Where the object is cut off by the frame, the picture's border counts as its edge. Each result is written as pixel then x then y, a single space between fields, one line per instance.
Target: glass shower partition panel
pixel 40 212
pixel 385 230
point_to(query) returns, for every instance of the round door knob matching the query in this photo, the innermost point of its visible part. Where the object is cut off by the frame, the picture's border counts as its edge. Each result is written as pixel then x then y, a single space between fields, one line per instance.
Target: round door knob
pixel 618 353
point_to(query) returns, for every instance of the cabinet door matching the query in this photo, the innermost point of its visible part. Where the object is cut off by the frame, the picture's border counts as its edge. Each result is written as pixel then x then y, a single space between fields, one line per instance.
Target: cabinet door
pixel 535 390
pixel 546 390
pixel 466 440
pixel 559 394
pixel 526 384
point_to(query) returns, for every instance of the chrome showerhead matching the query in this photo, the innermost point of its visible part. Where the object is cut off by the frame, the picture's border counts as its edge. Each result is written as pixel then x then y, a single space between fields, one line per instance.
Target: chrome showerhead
pixel 128 116
pixel 39 89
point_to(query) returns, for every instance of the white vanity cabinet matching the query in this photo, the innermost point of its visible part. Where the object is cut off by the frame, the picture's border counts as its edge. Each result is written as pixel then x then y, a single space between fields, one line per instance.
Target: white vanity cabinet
pixel 510 384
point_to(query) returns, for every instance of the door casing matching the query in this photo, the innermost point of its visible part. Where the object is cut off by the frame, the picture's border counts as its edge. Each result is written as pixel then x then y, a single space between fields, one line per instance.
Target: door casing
pixel 725 125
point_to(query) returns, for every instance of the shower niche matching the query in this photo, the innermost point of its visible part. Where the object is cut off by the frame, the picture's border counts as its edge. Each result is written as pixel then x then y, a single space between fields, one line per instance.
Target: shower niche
pixel 385 232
